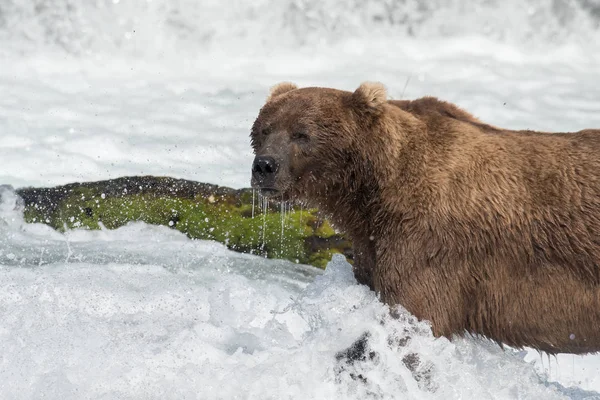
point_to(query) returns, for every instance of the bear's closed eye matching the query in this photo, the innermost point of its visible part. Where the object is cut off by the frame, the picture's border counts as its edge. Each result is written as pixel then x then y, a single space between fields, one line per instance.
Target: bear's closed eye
pixel 300 136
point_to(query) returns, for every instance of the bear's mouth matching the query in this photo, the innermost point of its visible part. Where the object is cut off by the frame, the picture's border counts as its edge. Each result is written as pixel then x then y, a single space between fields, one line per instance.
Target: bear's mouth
pixel 275 194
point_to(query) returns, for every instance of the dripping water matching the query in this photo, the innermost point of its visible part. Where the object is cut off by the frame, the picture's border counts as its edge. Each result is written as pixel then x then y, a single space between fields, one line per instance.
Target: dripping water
pixel 265 210
pixel 282 209
pixel 253 196
pixel 301 215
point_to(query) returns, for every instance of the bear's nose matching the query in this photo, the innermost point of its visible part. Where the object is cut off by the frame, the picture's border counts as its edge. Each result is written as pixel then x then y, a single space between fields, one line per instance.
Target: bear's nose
pixel 264 167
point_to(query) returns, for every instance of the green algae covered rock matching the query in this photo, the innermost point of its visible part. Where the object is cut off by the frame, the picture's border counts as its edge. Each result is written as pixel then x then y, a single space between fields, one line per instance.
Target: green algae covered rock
pixel 200 210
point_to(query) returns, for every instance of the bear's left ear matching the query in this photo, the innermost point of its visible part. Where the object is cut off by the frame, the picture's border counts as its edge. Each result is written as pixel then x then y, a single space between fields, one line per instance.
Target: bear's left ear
pixel 370 96
pixel 281 88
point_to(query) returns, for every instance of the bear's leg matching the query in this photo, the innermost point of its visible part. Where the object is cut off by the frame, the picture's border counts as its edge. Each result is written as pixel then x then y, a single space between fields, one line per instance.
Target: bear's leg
pixel 364 260
pixel 435 293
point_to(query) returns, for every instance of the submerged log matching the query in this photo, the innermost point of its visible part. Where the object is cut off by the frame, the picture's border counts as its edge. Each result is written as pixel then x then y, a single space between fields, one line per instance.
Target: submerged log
pixel 200 210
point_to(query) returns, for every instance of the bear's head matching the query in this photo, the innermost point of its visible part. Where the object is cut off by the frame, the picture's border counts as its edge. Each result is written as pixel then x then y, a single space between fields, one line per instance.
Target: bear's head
pixel 309 141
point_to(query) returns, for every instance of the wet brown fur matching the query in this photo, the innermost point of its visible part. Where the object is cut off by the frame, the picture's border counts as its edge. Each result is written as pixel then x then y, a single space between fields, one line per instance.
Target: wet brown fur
pixel 472 227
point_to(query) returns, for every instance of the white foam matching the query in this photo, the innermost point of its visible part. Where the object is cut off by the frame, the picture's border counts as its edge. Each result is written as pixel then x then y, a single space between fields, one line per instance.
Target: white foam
pixel 103 314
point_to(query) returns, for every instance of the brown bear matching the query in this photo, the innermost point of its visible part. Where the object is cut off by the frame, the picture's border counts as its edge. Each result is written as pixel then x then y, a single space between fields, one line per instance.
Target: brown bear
pixel 475 228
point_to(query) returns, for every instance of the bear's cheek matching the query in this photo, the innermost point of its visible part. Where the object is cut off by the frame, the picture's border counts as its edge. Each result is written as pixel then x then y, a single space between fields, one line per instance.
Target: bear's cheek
pixel 299 161
pixel 305 177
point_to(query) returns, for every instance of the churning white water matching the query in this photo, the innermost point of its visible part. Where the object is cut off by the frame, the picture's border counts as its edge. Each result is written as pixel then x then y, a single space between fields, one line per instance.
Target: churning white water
pixel 100 89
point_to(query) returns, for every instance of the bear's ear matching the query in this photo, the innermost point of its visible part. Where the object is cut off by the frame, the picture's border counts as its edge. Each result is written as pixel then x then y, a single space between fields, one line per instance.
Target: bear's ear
pixel 370 96
pixel 280 88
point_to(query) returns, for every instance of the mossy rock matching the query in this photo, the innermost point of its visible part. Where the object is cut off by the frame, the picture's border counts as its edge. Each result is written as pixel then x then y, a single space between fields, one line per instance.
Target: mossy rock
pixel 200 210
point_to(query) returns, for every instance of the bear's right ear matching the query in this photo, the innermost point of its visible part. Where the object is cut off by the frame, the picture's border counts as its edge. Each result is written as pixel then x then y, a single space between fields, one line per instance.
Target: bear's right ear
pixel 370 96
pixel 280 88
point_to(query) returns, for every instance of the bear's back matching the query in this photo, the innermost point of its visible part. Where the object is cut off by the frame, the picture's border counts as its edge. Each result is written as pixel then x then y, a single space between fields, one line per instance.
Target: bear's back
pixel 432 107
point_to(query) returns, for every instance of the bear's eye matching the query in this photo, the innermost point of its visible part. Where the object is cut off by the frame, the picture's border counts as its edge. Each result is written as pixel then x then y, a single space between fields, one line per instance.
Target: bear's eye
pixel 300 136
pixel 266 131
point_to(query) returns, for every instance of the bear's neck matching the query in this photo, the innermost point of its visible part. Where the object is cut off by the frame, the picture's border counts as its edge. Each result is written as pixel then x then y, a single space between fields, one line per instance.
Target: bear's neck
pixel 358 207
pixel 351 201
pixel 382 167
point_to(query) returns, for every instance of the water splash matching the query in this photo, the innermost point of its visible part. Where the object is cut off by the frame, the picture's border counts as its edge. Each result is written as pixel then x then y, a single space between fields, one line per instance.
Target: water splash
pixel 159 27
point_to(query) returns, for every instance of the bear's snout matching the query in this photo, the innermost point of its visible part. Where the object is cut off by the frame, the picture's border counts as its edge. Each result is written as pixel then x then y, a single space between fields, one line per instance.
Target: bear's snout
pixel 264 169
